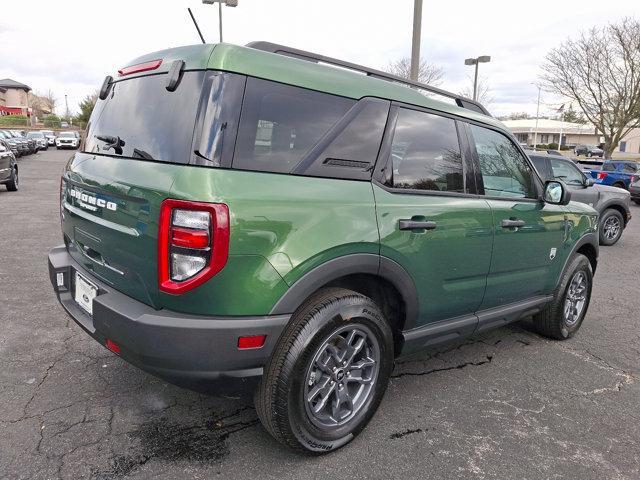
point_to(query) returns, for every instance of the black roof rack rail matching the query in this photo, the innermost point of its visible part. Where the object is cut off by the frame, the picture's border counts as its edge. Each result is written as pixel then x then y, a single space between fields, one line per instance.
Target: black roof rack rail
pixel 370 72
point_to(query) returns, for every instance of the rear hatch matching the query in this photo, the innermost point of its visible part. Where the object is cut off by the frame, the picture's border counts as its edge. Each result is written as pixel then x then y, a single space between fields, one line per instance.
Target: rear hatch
pixel 138 139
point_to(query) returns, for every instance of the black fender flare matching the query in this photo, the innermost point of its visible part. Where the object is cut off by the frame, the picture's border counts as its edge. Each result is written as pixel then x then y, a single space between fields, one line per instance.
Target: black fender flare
pixel 338 267
pixel 590 238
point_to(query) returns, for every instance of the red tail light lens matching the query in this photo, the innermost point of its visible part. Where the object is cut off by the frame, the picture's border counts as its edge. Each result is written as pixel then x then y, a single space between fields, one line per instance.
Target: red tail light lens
pixel 139 67
pixel 602 175
pixel 193 243
pixel 113 346
pixel 250 342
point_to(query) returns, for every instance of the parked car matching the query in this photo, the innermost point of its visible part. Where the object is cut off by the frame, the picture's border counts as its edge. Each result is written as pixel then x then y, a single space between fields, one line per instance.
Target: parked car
pixel 634 190
pixel 67 140
pixel 8 167
pixel 22 143
pixel 588 150
pixel 12 143
pixel 32 145
pixel 266 217
pixel 50 136
pixel 617 173
pixel 41 140
pixel 611 202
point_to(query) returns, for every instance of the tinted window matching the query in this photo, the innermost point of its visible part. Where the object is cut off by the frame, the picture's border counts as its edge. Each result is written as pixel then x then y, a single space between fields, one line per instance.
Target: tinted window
pixel 153 122
pixel 609 167
pixel 425 153
pixel 541 165
pixel 567 172
pixel 629 168
pixel 280 123
pixel 505 172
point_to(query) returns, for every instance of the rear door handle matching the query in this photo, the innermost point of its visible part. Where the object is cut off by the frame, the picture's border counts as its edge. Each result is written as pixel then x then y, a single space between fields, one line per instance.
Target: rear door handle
pixel 509 223
pixel 409 224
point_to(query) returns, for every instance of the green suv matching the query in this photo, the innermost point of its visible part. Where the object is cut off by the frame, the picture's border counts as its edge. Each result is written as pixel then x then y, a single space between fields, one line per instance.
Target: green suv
pixel 239 213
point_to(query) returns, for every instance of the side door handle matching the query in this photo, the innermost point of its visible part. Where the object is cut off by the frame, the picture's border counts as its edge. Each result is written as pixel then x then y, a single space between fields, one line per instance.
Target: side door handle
pixel 510 223
pixel 408 224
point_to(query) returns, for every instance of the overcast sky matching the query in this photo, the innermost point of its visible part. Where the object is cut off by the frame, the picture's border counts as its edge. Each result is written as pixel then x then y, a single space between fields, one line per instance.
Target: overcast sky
pixel 68 46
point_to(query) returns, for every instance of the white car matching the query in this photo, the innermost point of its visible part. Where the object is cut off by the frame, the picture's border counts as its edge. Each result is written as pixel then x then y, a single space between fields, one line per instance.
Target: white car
pixel 50 136
pixel 67 140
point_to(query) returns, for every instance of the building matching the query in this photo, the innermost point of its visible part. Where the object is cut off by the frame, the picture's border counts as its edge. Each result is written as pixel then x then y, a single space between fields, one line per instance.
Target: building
pixel 549 131
pixel 14 98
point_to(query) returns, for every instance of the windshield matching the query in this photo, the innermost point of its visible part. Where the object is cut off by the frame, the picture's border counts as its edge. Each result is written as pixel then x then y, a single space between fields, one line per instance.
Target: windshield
pixel 141 119
pixel 35 135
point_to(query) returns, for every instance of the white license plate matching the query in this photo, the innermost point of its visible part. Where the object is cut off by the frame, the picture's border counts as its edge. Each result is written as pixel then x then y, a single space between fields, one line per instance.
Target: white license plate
pixel 85 293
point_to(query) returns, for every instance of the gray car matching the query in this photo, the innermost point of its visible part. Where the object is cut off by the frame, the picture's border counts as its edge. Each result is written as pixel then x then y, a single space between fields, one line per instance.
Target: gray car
pixel 611 202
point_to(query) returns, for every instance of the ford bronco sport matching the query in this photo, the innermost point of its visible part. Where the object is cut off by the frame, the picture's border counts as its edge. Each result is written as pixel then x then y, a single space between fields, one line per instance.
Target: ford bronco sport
pixel 252 212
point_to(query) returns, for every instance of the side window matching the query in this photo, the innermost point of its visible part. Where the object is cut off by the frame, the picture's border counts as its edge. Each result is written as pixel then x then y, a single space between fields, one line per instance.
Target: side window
pixel 567 172
pixel 505 172
pixel 609 167
pixel 425 153
pixel 280 123
pixel 540 164
pixel 629 168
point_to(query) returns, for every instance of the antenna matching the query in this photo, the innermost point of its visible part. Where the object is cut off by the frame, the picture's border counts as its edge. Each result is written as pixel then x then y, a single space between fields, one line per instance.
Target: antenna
pixel 196 24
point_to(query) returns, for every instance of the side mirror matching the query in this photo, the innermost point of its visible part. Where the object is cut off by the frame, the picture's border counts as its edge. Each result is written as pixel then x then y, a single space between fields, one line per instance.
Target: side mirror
pixel 556 193
pixel 590 182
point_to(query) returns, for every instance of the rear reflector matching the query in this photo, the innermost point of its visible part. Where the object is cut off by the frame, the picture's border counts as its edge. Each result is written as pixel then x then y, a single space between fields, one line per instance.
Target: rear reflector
pixel 253 341
pixel 111 345
pixel 139 67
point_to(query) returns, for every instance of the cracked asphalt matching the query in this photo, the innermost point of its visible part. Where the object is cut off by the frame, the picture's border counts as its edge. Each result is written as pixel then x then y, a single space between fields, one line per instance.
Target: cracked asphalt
pixel 508 404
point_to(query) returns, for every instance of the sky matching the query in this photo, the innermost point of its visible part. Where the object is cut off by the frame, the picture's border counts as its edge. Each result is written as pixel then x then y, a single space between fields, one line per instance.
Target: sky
pixel 69 46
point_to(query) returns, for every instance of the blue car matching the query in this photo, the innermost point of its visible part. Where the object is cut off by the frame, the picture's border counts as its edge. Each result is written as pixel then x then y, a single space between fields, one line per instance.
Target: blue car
pixel 617 173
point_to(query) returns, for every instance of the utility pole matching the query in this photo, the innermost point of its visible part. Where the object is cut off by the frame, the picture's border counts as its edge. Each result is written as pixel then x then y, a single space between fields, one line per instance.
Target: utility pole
pixel 535 134
pixel 415 41
pixel 66 103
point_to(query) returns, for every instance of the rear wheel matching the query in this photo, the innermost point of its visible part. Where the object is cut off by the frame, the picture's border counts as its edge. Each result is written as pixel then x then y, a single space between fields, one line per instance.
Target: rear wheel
pixel 13 183
pixel 611 227
pixel 562 318
pixel 328 372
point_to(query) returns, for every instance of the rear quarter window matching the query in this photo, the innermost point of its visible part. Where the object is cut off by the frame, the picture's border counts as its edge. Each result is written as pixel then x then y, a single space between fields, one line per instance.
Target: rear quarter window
pixel 154 124
pixel 280 123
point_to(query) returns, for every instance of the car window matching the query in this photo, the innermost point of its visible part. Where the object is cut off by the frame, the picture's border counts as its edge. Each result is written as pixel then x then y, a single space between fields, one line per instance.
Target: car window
pixel 505 172
pixel 425 153
pixel 540 163
pixel 609 167
pixel 567 172
pixel 280 123
pixel 630 168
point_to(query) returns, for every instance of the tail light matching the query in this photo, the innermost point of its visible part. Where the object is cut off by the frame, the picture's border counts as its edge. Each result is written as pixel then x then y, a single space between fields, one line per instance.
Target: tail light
pixel 602 175
pixel 193 243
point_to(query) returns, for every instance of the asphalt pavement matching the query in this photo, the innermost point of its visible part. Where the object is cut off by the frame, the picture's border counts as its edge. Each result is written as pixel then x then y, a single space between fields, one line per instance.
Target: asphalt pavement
pixel 508 404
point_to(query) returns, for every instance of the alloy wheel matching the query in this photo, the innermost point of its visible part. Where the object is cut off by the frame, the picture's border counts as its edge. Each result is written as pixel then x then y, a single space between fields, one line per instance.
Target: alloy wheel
pixel 611 227
pixel 576 298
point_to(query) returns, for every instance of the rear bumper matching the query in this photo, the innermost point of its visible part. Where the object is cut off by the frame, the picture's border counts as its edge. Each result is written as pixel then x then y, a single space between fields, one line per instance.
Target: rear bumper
pixel 178 347
pixel 635 192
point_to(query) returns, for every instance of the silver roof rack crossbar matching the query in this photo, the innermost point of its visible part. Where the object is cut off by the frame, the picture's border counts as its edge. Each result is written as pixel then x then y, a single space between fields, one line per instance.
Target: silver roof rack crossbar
pixel 370 72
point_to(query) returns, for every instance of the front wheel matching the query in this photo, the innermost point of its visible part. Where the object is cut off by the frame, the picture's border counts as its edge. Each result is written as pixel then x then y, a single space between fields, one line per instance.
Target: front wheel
pixel 611 227
pixel 328 373
pixel 562 318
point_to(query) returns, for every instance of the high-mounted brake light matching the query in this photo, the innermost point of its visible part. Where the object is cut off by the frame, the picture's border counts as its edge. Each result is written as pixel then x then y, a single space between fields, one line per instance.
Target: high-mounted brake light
pixel 193 243
pixel 139 67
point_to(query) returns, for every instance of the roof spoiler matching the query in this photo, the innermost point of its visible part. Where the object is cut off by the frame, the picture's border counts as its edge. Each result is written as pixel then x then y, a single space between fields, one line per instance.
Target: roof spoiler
pixel 370 72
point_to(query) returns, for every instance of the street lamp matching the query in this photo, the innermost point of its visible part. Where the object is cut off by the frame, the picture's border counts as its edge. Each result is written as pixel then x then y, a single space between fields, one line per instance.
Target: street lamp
pixel 228 3
pixel 535 134
pixel 476 61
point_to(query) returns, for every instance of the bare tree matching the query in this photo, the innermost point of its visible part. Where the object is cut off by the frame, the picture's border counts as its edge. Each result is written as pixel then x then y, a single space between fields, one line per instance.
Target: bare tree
pixel 600 70
pixel 484 93
pixel 427 73
pixel 49 100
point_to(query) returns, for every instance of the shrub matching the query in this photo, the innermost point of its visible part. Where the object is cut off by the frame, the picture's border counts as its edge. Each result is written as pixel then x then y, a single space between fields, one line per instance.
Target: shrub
pixel 14 120
pixel 52 121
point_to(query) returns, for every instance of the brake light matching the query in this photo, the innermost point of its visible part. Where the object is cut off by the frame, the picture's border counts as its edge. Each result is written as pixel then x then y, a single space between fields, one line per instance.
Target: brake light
pixel 193 243
pixel 139 67
pixel 602 175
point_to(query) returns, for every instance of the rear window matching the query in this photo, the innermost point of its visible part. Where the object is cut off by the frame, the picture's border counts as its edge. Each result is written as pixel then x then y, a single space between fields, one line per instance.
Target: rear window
pixel 280 123
pixel 153 123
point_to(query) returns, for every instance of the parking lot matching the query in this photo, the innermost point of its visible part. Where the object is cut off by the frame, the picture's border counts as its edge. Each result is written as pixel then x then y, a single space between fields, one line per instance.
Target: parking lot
pixel 508 404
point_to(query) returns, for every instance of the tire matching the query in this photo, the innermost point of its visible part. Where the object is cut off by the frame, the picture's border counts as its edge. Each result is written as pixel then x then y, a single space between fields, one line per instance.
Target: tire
pixel 636 201
pixel 13 183
pixel 289 377
pixel 611 227
pixel 619 185
pixel 553 322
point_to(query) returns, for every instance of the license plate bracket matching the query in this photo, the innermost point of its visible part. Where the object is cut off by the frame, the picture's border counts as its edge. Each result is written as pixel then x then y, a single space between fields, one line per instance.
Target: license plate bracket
pixel 85 292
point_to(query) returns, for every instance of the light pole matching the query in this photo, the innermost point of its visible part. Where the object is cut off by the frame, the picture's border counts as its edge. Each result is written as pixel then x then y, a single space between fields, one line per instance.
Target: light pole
pixel 535 134
pixel 66 103
pixel 415 40
pixel 476 61
pixel 228 3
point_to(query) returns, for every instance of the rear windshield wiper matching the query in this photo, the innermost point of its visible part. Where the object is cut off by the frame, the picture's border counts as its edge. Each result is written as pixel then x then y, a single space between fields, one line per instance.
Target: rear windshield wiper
pixel 142 154
pixel 112 142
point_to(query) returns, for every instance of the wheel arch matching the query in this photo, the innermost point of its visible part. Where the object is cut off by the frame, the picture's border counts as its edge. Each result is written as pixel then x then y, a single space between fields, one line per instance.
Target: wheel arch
pixel 619 208
pixel 380 278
